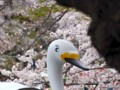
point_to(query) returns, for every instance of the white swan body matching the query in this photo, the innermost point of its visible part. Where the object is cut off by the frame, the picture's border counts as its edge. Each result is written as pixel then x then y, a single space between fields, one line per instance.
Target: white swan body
pixel 59 52
pixel 11 86
pixel 14 86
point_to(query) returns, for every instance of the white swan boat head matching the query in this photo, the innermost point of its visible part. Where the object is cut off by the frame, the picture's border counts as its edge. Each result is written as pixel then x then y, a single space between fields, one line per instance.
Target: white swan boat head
pixel 59 52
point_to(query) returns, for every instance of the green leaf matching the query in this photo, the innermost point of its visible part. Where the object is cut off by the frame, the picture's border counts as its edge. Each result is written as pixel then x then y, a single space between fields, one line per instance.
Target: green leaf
pixel 8 64
pixel 39 13
pixel 32 34
pixel 42 1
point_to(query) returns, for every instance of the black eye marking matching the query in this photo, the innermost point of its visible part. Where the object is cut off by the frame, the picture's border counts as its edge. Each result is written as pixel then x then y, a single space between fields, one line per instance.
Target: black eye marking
pixel 57 48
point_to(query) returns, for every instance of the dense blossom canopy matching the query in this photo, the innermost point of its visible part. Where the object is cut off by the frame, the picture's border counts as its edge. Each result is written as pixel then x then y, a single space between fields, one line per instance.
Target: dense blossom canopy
pixel 73 26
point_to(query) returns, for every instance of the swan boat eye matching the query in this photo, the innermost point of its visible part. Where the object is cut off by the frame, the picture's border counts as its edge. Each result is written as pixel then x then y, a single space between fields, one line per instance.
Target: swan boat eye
pixel 57 48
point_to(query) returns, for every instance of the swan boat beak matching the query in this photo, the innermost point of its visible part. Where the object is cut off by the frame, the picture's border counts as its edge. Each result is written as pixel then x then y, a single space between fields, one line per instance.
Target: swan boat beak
pixel 74 59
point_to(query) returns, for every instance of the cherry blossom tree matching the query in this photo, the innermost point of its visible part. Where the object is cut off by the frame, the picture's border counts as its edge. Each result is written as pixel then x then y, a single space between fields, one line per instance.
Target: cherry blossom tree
pixel 73 26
